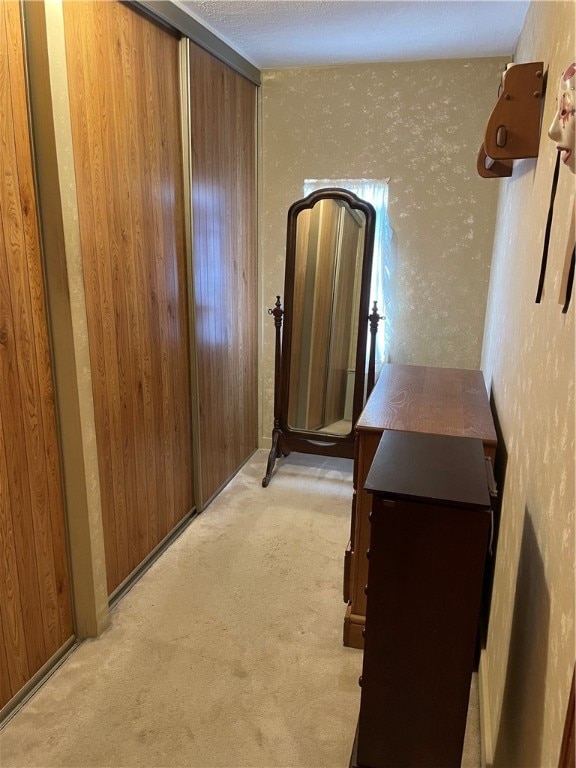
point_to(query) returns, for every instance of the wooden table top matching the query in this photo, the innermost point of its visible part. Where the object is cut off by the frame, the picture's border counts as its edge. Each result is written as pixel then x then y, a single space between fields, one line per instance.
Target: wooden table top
pixel 441 401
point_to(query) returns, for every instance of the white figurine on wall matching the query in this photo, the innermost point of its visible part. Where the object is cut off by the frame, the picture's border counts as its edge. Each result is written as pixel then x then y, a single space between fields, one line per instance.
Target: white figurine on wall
pixel 563 132
pixel 563 128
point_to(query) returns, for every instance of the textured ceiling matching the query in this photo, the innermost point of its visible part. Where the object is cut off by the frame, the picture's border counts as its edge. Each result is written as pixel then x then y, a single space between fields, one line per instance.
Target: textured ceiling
pixel 284 33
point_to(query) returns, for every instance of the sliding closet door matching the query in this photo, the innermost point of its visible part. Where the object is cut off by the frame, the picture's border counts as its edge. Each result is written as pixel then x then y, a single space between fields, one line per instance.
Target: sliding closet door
pixel 123 73
pixel 223 111
pixel 35 606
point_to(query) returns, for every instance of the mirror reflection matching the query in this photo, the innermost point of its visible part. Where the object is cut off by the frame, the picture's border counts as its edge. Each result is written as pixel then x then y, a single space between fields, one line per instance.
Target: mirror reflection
pixel 327 281
pixel 322 372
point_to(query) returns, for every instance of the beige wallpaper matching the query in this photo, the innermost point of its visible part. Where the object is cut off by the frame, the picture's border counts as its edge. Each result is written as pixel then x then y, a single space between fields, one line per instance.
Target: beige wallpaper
pixel 420 124
pixel 528 360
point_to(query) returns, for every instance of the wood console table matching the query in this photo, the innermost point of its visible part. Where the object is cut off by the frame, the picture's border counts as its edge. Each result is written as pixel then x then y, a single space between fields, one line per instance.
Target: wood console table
pixel 440 401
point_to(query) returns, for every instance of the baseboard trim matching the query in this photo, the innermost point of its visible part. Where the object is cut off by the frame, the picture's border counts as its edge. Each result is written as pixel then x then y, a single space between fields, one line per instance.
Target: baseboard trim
pixel 160 548
pixel 151 558
pixel 486 737
pixel 227 482
pixel 37 680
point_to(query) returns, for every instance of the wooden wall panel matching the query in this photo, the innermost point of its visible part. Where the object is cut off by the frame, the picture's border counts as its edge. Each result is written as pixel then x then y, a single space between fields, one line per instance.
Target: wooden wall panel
pixel 123 75
pixel 342 320
pixel 223 107
pixel 297 342
pixel 35 605
pixel 321 302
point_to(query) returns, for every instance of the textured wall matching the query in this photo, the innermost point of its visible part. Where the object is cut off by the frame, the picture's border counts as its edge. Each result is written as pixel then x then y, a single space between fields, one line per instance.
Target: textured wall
pixel 420 124
pixel 528 360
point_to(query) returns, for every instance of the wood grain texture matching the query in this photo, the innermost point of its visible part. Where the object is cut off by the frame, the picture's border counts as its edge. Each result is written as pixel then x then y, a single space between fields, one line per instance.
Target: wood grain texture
pixel 440 401
pixel 223 106
pixel 298 299
pixel 313 380
pixel 125 106
pixel 343 341
pixel 35 605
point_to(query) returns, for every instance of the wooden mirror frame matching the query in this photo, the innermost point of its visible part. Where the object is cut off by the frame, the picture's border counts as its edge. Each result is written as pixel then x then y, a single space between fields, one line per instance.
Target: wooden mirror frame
pixel 284 437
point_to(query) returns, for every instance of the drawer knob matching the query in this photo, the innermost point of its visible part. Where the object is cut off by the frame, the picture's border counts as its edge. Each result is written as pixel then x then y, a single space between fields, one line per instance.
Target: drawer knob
pixel 368 554
pixel 366 589
pixel 360 681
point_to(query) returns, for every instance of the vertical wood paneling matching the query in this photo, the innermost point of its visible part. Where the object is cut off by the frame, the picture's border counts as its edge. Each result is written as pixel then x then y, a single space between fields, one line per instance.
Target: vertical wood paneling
pixel 11 596
pixel 314 376
pixel 298 301
pixel 35 606
pixel 342 319
pixel 125 106
pixel 225 265
pixel 5 689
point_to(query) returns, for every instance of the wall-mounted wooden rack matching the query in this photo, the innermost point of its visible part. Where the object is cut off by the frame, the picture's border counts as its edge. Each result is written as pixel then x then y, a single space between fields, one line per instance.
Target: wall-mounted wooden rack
pixel 513 128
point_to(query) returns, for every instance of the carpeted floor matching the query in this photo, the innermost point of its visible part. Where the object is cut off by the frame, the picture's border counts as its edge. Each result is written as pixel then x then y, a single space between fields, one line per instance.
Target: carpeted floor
pixel 228 651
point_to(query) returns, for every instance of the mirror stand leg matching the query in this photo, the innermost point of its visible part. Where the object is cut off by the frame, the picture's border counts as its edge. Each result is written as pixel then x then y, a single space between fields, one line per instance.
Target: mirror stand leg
pixel 274 454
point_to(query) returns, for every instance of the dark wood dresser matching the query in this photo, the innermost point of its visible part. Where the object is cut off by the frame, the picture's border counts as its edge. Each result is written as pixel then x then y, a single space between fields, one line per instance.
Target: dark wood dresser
pixel 441 401
pixel 430 527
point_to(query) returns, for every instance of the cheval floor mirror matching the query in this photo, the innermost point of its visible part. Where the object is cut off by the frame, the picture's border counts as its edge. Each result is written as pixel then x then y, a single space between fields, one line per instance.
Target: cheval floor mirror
pixel 323 374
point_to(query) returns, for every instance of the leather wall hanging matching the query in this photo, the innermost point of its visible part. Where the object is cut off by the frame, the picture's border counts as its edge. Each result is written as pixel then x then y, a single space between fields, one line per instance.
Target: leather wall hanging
pixel 513 128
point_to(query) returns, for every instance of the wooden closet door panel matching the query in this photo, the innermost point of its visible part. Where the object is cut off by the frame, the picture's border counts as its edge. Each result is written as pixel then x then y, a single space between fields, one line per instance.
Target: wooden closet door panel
pixel 123 73
pixel 35 605
pixel 223 105
pixel 11 594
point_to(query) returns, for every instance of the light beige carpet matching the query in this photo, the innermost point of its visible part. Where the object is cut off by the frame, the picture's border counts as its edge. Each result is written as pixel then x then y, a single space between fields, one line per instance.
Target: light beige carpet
pixel 228 651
